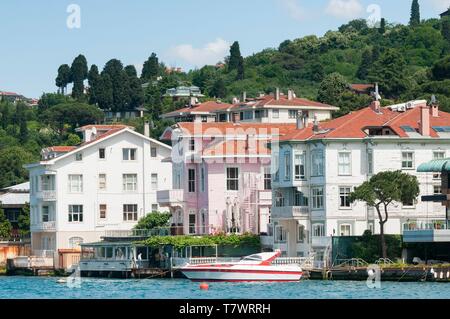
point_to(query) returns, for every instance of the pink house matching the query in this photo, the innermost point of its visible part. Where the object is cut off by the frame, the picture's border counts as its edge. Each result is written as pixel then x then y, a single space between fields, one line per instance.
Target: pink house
pixel 221 177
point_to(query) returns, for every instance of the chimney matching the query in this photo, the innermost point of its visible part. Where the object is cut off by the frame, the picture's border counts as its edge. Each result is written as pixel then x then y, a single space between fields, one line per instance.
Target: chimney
pixel 300 123
pixel 244 97
pixel 147 128
pixel 424 125
pixel 290 95
pixel 376 105
pixel 434 106
pixel 192 101
pixel 277 94
pixel 316 125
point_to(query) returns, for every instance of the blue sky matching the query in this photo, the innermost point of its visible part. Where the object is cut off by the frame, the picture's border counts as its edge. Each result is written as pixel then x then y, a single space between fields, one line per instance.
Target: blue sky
pixel 35 38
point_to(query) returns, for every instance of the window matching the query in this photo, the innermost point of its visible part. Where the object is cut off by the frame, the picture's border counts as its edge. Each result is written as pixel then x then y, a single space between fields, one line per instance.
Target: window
pixel 301 233
pixel 300 199
pixel 75 242
pixel 47 183
pixel 75 183
pixel 191 180
pixel 436 156
pixel 299 166
pixel 275 114
pixel 318 230
pixel 202 179
pixel 276 167
pixel 129 154
pixel 153 152
pixel 287 166
pixel 130 182
pixel 101 153
pixel 232 178
pixel 79 157
pixel 155 207
pixel 317 163
pixel 248 115
pixel 103 208
pixel 369 162
pixel 344 193
pixel 279 199
pixel 317 198
pixel 280 234
pixel 45 214
pixel 75 213
pixel 192 145
pixel 267 178
pixel 344 163
pixel 345 230
pixel 409 203
pixel 407 160
pixel 154 182
pixel 102 181
pixel 437 190
pixel 204 118
pixel 292 114
pixel 192 223
pixel 130 212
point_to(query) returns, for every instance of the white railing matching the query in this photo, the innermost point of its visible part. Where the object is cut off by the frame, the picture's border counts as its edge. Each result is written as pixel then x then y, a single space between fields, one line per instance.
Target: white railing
pixel 426 226
pixel 265 195
pixel 170 196
pixel 290 211
pixel 44 226
pixel 33 262
pixel 44 253
pixel 46 195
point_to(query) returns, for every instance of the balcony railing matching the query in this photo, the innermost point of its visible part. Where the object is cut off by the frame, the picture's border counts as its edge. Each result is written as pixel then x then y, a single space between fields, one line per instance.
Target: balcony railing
pixel 167 197
pixel 45 226
pixel 46 195
pixel 290 211
pixel 320 241
pixel 162 231
pixel 426 226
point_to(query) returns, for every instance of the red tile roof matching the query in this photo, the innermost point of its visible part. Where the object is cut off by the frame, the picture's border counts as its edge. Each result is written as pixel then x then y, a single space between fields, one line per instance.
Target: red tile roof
pixel 103 127
pixel 352 125
pixel 362 87
pixel 61 149
pixel 269 100
pixel 205 107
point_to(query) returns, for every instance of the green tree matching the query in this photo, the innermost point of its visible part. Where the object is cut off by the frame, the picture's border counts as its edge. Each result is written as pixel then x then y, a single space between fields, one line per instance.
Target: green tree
pixel 390 72
pixel 366 63
pixel 79 71
pixel 219 89
pixel 63 78
pixel 415 14
pixel 24 221
pixel 382 190
pixel 5 114
pixel 441 69
pixel 382 28
pixel 48 100
pixel 12 160
pixel 136 92
pixel 94 83
pixel 235 56
pixel 240 69
pixel 71 115
pixel 104 92
pixel 445 29
pixel 150 69
pixel 331 89
pixel 5 226
pixel 153 220
pixel 22 118
pixel 73 140
pixel 120 85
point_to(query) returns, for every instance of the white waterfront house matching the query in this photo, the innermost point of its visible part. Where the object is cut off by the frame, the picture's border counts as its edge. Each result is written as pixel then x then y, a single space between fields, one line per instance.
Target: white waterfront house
pixel 317 166
pixel 107 183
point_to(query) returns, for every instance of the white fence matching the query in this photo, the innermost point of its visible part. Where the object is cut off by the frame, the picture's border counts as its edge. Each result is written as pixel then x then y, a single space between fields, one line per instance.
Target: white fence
pixel 33 262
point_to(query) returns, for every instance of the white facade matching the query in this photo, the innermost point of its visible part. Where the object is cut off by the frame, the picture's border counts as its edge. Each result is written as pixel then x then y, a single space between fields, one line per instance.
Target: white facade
pixel 332 169
pixel 107 184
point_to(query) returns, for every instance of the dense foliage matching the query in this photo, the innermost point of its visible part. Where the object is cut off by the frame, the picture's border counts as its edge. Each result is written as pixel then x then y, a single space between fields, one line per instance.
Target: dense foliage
pixel 5 226
pixel 153 220
pixel 368 247
pixel 220 240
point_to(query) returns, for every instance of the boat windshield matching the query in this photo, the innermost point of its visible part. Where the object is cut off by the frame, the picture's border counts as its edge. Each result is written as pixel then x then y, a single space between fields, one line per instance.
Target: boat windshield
pixel 253 257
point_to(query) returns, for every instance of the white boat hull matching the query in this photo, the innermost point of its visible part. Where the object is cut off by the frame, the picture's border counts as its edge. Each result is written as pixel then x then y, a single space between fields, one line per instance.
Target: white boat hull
pixel 238 273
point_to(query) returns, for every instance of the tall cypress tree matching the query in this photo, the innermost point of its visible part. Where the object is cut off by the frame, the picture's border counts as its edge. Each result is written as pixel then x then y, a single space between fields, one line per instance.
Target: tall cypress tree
pixel 235 55
pixel 120 85
pixel 63 78
pixel 382 28
pixel 23 128
pixel 240 69
pixel 366 62
pixel 151 68
pixel 94 82
pixel 445 29
pixel 79 71
pixel 135 90
pixel 415 13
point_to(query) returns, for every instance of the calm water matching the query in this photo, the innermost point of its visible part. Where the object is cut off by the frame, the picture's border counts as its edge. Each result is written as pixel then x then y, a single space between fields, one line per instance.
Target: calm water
pixel 49 288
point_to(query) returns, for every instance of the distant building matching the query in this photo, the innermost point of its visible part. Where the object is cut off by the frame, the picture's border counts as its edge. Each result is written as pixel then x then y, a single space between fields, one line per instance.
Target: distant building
pixel 170 70
pixel 184 92
pixel 111 116
pixel 445 14
pixel 201 112
pixel 11 97
pixel 12 201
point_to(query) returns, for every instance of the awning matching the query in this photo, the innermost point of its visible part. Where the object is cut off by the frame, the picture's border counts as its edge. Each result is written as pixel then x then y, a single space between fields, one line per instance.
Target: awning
pixel 440 165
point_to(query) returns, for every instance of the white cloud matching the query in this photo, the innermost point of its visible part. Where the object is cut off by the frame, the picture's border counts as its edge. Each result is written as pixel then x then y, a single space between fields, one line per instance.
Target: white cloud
pixel 345 9
pixel 441 4
pixel 211 53
pixel 294 9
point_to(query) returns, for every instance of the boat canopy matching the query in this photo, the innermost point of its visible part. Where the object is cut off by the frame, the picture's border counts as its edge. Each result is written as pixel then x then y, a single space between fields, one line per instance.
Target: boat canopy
pixel 440 165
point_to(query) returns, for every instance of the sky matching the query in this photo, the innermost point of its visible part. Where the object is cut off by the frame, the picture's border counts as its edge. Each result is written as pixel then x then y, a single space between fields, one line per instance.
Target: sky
pixel 38 36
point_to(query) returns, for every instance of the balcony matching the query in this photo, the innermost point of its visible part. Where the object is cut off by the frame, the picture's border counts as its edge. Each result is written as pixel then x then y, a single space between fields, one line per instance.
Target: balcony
pixel 265 197
pixel 46 196
pixel 427 233
pixel 290 212
pixel 321 241
pixel 169 197
pixel 44 227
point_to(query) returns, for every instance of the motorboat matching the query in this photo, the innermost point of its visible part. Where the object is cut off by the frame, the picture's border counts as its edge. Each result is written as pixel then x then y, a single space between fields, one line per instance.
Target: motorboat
pixel 257 267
